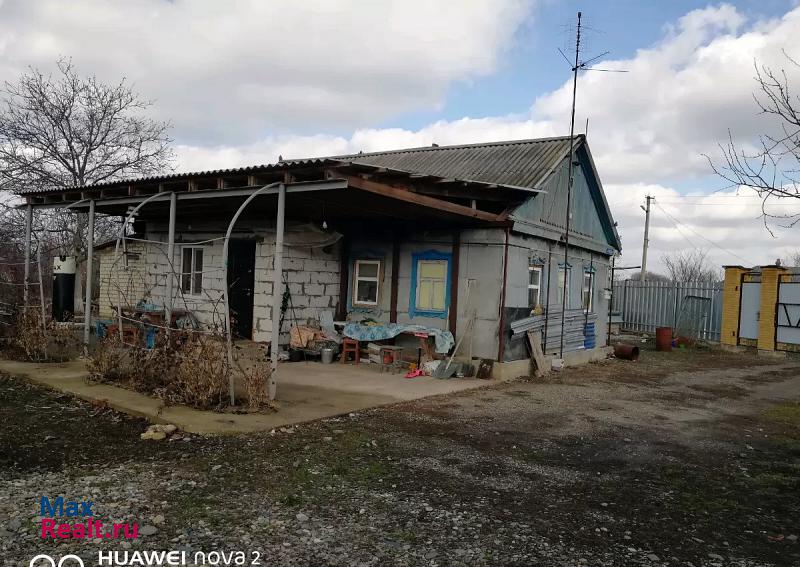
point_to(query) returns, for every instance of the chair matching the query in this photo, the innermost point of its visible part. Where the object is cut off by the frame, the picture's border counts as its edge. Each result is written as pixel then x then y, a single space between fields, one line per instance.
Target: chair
pixel 391 358
pixel 350 346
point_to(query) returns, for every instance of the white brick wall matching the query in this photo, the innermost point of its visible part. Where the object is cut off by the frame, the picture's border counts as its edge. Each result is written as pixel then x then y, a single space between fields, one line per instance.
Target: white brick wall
pixel 312 273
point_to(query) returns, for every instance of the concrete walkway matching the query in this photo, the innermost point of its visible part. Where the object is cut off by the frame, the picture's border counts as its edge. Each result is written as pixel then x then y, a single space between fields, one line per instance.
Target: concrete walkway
pixel 306 391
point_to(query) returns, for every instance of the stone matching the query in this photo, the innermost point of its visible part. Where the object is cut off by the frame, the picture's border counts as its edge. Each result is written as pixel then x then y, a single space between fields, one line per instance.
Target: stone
pixel 148 530
pixel 14 525
pixel 792 538
pixel 301 517
pixel 653 557
pixel 716 557
pixel 159 519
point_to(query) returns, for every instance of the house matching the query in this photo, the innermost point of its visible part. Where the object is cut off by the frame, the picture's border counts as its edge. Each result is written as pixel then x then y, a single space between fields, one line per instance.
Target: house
pixel 467 239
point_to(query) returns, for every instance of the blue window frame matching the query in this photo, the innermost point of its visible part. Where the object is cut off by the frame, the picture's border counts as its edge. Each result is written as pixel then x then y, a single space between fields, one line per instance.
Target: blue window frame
pixel 430 284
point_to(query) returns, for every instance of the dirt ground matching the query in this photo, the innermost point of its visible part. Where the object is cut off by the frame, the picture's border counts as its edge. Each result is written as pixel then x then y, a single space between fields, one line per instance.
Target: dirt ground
pixel 683 458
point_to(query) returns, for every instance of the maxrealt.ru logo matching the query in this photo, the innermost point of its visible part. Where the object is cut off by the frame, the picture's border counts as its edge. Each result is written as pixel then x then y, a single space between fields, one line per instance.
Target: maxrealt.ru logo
pixel 80 522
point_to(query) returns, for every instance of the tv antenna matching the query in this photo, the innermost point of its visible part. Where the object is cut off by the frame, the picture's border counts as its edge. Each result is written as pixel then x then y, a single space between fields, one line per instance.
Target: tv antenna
pixel 578 65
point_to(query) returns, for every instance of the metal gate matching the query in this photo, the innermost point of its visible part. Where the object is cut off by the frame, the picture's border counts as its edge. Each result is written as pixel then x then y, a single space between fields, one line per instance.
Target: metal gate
pixel 750 309
pixel 787 318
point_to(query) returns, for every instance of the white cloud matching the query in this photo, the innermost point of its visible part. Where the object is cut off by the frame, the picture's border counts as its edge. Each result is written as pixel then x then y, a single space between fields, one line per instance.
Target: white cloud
pixel 648 130
pixel 226 73
pixel 232 71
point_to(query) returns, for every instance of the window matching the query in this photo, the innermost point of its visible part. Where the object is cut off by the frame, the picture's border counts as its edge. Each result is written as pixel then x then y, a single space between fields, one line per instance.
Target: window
pixel 431 285
pixel 192 272
pixel 366 282
pixel 429 293
pixel 534 285
pixel 561 286
pixel 587 295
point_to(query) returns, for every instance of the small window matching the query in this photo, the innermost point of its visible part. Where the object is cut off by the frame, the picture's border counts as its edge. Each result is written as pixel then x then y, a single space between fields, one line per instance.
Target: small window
pixel 431 285
pixel 192 272
pixel 366 282
pixel 534 285
pixel 587 295
pixel 564 288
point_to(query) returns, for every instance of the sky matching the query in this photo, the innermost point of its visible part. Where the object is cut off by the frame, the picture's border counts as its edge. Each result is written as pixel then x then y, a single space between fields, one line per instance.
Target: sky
pixel 243 82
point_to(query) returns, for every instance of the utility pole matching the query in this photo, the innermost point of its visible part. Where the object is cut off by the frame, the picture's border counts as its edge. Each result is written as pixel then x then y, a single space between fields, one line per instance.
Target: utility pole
pixel 646 210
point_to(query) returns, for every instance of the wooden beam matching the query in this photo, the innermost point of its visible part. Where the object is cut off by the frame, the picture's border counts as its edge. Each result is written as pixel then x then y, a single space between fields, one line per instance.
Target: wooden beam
pixel 344 277
pixel 395 278
pixel 453 309
pixel 191 185
pixel 220 183
pixel 251 181
pixel 458 192
pixel 404 194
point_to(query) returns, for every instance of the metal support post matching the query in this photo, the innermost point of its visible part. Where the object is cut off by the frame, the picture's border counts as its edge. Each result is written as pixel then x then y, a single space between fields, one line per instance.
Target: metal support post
pixel 277 290
pixel 28 229
pixel 168 304
pixel 87 304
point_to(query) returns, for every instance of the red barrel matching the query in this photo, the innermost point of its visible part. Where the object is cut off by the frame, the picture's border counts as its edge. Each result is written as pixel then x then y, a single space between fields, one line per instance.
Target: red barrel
pixel 664 339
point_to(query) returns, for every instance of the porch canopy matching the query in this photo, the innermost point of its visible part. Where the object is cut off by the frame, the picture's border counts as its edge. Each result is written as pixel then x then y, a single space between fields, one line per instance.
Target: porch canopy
pixel 453 187
pixel 316 190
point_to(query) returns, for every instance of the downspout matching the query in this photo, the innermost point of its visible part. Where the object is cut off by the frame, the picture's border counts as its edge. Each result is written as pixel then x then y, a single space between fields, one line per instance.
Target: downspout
pixel 502 334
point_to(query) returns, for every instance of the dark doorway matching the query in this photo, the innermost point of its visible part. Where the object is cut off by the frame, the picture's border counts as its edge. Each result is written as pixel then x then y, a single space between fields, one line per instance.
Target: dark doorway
pixel 241 281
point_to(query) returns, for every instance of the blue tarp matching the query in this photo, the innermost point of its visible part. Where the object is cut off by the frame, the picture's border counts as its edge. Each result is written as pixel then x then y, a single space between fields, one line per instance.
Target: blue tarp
pixel 444 339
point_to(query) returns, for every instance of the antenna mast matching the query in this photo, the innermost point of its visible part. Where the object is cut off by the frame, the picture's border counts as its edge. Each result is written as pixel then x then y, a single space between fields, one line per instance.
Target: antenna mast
pixel 569 183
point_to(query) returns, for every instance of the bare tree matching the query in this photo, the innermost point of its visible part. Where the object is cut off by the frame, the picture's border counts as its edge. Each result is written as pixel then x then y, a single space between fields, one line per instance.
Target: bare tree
pixel 649 276
pixel 63 131
pixel 71 131
pixel 690 266
pixel 772 167
pixel 792 260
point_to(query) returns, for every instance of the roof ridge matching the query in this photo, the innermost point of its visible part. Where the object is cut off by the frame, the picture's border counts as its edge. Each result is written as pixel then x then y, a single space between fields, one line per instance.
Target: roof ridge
pixel 441 148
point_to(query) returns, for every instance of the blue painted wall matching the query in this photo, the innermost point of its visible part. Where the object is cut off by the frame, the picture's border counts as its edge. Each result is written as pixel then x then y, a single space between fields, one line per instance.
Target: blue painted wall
pixel 589 219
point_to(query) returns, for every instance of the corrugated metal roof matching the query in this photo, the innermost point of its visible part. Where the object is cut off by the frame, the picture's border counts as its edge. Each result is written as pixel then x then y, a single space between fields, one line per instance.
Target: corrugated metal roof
pixel 191 175
pixel 518 163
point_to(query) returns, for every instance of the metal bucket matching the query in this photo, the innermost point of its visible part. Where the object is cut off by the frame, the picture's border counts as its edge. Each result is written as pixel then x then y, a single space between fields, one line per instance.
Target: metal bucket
pixel 326 355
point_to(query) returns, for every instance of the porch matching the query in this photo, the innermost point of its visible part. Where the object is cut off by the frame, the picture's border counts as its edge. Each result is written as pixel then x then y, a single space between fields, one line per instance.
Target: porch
pixel 308 391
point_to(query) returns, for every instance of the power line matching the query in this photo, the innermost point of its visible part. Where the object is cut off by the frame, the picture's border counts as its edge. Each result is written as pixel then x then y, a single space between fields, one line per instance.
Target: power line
pixel 751 204
pixel 676 222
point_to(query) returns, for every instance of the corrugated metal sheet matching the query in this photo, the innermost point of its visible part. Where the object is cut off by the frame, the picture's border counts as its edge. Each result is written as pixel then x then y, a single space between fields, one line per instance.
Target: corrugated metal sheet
pixel 692 308
pixel 196 174
pixel 519 163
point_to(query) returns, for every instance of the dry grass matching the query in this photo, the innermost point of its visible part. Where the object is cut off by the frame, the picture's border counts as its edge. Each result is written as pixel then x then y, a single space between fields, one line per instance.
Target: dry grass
pixel 192 372
pixel 200 374
pixel 255 383
pixel 41 342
